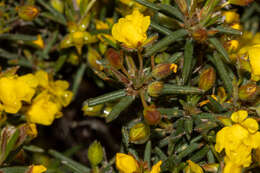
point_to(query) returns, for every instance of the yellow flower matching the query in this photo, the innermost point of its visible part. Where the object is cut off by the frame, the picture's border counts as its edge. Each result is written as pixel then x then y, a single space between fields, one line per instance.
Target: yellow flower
pixel 56 88
pixel 131 30
pixel 193 168
pixel 14 90
pixel 231 16
pixel 100 25
pixel 37 169
pixel 39 42
pixel 43 110
pixel 31 130
pixel 238 141
pixel 254 57
pixel 156 168
pixel 126 163
pixel 239 116
pixel 230 167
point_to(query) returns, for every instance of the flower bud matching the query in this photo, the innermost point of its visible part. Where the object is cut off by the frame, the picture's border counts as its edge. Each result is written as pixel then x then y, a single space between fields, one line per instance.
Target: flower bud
pixel 207 78
pixel 155 88
pixel 106 111
pixel 211 167
pixel 93 59
pixel 200 35
pixel 93 110
pixel 139 133
pixel 240 2
pixel 151 115
pixel 28 12
pixel 114 58
pixel 247 92
pixel 161 71
pixel 95 153
pixel 58 5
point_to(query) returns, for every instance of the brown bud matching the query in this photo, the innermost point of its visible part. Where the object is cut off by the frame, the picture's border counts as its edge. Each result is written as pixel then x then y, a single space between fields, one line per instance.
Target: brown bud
pixel 114 58
pixel 139 133
pixel 200 35
pixel 151 115
pixel 28 12
pixel 155 88
pixel 207 78
pixel 161 71
pixel 247 92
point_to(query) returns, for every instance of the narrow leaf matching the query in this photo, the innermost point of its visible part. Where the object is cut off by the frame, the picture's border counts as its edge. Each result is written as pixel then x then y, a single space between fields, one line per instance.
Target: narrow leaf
pixel 175 89
pixel 119 107
pixel 105 98
pixel 187 66
pixel 147 153
pixel 219 47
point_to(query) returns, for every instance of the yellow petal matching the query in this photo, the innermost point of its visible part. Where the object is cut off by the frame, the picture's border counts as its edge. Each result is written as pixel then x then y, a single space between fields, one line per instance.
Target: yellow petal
pixel 42 110
pixel 38 169
pixel 250 124
pixel 126 163
pixel 42 78
pixel 254 57
pixel 195 168
pixel 239 116
pixel 156 168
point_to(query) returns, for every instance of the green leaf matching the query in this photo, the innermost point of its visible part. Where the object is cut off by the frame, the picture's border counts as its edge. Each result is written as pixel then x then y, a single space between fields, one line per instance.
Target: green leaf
pixel 33 148
pixel 228 30
pixel 175 57
pixel 18 37
pixel 200 154
pixel 125 136
pixel 73 165
pixel 160 153
pixel 219 47
pixel 11 143
pixel 160 28
pixel 164 8
pixel 220 66
pixel 78 79
pixel 175 89
pixel 147 153
pixel 105 98
pixel 189 149
pixel 119 107
pixel 171 112
pixel 166 41
pixel 15 169
pixel 187 66
pixel 215 105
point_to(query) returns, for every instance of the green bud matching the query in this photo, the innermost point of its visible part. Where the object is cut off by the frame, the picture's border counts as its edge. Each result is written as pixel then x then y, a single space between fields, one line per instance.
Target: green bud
pixel 93 59
pixel 155 88
pixel 28 12
pixel 93 110
pixel 139 133
pixel 95 153
pixel 58 5
pixel 207 79
pixel 247 92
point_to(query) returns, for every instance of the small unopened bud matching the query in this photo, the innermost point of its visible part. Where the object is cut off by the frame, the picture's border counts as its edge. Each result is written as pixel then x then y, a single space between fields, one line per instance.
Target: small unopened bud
pixel 93 59
pixel 28 12
pixel 92 110
pixel 161 71
pixel 155 88
pixel 200 35
pixel 139 133
pixel 114 58
pixel 151 115
pixel 207 78
pixel 58 5
pixel 247 92
pixel 211 167
pixel 106 111
pixel 95 153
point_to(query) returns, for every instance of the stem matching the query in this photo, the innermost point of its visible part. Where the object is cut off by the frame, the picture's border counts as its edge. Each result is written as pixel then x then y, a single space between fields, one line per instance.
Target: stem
pixel 141 93
pixel 140 58
pixel 152 62
pixel 125 72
